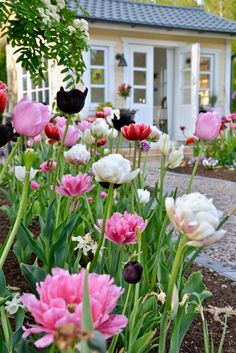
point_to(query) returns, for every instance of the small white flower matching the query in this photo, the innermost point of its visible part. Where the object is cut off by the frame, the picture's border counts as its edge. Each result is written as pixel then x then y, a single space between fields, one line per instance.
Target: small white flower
pixel 12 306
pixel 176 156
pixel 210 163
pixel 20 172
pixel 164 144
pixel 195 216
pixel 78 154
pixel 161 297
pixel 113 133
pixel 155 134
pixel 71 29
pixel 143 195
pixel 99 128
pixel 85 244
pixel 114 169
pixel 88 139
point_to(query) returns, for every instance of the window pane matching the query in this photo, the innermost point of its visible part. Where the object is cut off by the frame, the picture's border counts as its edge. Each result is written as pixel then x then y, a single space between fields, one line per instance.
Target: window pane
pixel 139 59
pixel 204 97
pixel 204 81
pixel 205 63
pixel 97 57
pixel 46 99
pixel 186 96
pixel 186 60
pixel 139 96
pixel 140 78
pixel 97 95
pixel 40 96
pixel 97 76
pixel 24 83
pixel 34 96
pixel 186 78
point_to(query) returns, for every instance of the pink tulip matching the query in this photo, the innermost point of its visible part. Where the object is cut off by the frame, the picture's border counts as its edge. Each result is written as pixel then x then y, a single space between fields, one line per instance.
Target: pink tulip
pixel 71 136
pixel 84 125
pixel 37 138
pixel 122 229
pixel 29 143
pixel 3 96
pixel 103 195
pixel 208 126
pixel 60 303
pixel 30 118
pixel 90 199
pixel 35 185
pixel 107 111
pixel 233 126
pixel 74 186
pixel 47 167
pixel 60 121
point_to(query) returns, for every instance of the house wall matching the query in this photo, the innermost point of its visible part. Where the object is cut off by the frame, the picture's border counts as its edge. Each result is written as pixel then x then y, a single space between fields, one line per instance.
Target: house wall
pixel 116 36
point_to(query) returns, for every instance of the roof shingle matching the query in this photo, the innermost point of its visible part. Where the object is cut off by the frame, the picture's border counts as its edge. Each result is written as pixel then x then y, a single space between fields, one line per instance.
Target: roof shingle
pixel 158 16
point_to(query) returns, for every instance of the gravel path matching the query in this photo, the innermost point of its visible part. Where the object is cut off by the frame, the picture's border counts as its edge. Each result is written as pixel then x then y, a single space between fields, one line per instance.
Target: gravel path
pixel 223 194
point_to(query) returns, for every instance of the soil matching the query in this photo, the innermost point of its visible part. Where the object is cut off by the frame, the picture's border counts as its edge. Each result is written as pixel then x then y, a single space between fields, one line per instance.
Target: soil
pixel 218 173
pixel 224 295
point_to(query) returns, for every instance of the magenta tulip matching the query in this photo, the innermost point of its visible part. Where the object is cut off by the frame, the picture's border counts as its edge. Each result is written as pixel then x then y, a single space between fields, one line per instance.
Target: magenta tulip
pixel 3 96
pixel 207 126
pixel 72 135
pixel 30 118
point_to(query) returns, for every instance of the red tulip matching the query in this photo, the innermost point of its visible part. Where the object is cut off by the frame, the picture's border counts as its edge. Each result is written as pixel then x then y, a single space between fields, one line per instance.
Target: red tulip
pixel 101 142
pixel 52 132
pixel 191 140
pixel 3 97
pixel 100 115
pixel 136 132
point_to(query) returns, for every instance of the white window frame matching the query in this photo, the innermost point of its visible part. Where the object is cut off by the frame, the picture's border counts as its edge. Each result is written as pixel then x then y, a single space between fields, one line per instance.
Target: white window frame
pixel 213 54
pixel 109 67
pixel 30 90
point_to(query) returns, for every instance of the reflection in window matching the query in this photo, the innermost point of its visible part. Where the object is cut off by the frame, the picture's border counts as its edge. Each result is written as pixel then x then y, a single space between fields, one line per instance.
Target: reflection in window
pixel 140 95
pixel 38 93
pixel 206 79
pixel 140 59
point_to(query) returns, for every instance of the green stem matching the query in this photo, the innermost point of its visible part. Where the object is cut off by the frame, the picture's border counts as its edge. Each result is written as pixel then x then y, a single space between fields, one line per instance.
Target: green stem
pixel 139 164
pixel 189 188
pixel 9 158
pixel 165 318
pixel 5 325
pixel 162 176
pixel 19 218
pixel 60 152
pixel 119 141
pixel 136 295
pixel 89 209
pixel 105 217
pixel 135 154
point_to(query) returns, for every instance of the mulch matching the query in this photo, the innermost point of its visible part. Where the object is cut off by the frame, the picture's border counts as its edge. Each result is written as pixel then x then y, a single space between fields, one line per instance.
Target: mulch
pixel 218 173
pixel 224 294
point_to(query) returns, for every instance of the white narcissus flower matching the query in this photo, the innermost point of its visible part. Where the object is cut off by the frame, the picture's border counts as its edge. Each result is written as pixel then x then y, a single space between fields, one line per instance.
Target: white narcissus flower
pixel 143 195
pixel 78 154
pixel 12 306
pixel 164 144
pixel 20 172
pixel 88 139
pixel 99 128
pixel 85 243
pixel 176 156
pixel 155 134
pixel 114 169
pixel 195 216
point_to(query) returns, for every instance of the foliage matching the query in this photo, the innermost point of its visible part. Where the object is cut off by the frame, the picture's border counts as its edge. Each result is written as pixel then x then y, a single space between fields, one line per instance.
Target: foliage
pixel 48 31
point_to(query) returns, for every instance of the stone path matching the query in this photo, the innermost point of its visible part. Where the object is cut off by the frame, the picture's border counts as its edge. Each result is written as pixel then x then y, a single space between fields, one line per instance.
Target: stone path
pixel 223 194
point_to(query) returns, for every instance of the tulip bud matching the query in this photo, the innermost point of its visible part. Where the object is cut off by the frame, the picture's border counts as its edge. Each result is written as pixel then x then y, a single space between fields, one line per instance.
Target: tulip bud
pixel 133 272
pixel 28 158
pixel 71 102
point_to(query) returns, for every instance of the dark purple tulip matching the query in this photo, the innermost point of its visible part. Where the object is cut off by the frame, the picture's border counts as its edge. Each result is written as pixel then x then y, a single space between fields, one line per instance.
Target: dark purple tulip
pixel 71 102
pixel 133 272
pixel 6 134
pixel 125 120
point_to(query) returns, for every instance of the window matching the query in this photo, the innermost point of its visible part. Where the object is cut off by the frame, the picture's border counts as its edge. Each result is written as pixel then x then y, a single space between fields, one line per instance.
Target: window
pixel 40 93
pixel 99 74
pixel 186 72
pixel 140 77
pixel 206 84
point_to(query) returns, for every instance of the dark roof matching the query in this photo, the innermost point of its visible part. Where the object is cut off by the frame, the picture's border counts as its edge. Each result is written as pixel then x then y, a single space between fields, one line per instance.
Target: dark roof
pixel 158 16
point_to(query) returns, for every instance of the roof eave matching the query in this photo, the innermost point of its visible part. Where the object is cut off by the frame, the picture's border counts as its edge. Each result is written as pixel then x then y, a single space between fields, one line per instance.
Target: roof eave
pixel 137 24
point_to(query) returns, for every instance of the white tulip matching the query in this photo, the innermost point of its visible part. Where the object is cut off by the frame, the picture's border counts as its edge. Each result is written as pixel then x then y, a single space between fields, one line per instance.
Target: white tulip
pixel 78 154
pixel 195 216
pixel 155 134
pixel 106 151
pixel 99 128
pixel 143 195
pixel 20 172
pixel 164 144
pixel 176 156
pixel 113 133
pixel 114 169
pixel 88 139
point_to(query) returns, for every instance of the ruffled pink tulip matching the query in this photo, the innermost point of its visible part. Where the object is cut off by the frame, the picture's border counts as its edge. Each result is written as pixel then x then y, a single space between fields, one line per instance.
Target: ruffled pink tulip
pixel 30 118
pixel 60 121
pixel 60 303
pixel 122 229
pixel 84 125
pixel 208 126
pixel 47 167
pixel 72 135
pixel 3 96
pixel 74 186
pixel 35 185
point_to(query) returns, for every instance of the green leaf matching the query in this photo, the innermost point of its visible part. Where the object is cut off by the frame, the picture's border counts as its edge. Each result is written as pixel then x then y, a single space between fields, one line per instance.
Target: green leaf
pixel 2 284
pixel 33 275
pixel 97 342
pixel 87 320
pixel 141 344
pixel 28 237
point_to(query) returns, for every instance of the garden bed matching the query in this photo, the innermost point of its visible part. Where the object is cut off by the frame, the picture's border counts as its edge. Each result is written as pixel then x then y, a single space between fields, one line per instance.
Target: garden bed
pixel 224 294
pixel 218 173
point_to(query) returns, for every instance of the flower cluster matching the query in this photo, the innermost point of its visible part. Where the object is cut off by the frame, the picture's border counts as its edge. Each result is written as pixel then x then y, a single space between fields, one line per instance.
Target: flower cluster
pixel 124 90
